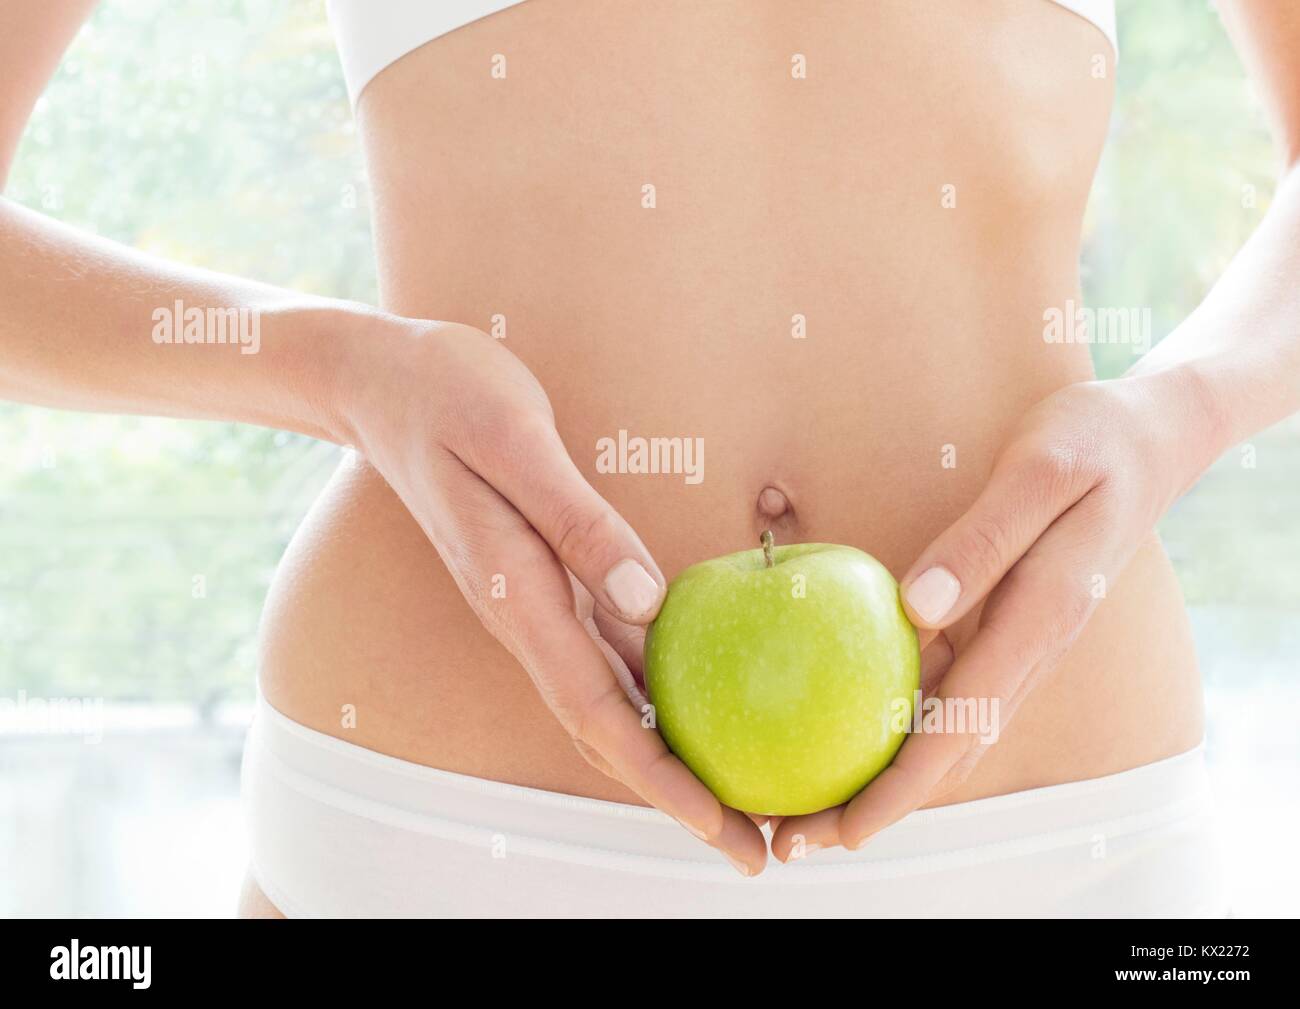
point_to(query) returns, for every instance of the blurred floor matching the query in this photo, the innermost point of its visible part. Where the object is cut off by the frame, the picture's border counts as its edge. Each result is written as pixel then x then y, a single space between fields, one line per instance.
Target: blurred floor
pixel 144 823
pixel 1254 774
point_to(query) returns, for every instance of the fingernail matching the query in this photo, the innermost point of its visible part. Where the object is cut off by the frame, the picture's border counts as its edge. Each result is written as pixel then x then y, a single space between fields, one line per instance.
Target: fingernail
pixel 631 589
pixel 693 830
pixel 857 845
pixel 933 593
pixel 738 865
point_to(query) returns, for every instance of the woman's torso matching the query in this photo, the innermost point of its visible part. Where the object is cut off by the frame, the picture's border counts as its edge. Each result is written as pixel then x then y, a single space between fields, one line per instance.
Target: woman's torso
pixel 916 198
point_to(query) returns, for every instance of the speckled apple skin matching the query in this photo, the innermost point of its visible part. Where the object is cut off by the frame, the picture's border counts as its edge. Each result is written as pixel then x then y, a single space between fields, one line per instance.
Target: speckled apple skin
pixel 784 705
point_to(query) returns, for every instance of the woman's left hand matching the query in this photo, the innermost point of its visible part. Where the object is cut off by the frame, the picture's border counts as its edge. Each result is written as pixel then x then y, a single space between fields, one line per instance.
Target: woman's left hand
pixel 1075 490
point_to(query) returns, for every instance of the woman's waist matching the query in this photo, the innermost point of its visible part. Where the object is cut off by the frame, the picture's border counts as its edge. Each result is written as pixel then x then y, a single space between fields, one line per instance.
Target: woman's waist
pixel 366 636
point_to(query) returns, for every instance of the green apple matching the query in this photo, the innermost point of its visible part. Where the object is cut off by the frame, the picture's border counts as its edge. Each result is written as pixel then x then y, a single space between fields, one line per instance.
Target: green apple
pixel 783 677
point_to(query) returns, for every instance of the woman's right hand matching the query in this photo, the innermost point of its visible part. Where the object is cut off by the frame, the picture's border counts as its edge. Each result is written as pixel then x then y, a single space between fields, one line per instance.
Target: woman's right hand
pixel 466 437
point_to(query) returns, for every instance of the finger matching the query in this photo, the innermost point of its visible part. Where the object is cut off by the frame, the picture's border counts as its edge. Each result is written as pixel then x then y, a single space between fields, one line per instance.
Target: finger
pixel 742 842
pixel 797 837
pixel 632 688
pixel 1032 617
pixel 584 607
pixel 735 840
pixel 628 640
pixel 534 472
pixel 936 660
pixel 594 759
pixel 1022 498
pixel 590 616
pixel 534 618
pixel 596 712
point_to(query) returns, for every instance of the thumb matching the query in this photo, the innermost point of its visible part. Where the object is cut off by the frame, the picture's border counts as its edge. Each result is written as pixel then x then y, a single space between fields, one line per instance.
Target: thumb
pixel 972 555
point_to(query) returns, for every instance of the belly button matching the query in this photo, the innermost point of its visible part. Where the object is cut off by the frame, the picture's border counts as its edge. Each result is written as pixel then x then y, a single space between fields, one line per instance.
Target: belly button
pixel 774 508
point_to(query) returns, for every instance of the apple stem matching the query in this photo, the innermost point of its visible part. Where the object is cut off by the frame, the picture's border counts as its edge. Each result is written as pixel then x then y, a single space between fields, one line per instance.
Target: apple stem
pixel 768 545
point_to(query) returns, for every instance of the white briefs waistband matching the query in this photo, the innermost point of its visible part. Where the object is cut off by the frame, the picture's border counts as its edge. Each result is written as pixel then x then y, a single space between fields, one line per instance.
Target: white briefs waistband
pixel 339 830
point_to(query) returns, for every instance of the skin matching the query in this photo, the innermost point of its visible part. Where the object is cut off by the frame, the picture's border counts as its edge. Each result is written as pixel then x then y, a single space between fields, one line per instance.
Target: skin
pixel 774 196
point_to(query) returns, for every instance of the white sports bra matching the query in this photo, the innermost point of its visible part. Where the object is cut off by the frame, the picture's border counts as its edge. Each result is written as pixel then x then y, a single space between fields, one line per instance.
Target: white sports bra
pixel 371 34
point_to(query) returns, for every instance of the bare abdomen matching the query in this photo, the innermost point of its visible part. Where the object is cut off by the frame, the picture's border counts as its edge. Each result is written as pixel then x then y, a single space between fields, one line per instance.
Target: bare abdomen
pixel 833 283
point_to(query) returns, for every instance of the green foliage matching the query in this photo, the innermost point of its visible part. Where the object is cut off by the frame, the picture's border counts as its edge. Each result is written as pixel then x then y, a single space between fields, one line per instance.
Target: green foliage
pixel 1186 174
pixel 1186 177
pixel 135 552
pixel 216 134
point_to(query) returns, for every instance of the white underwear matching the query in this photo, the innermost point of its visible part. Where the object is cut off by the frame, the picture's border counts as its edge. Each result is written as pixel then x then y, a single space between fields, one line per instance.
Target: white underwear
pixel 342 831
